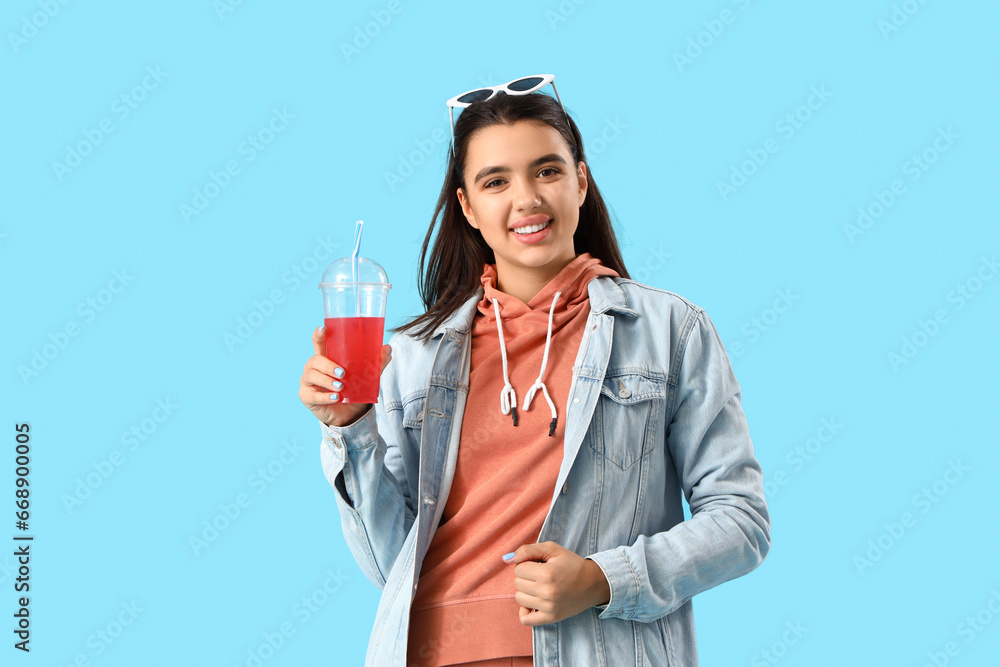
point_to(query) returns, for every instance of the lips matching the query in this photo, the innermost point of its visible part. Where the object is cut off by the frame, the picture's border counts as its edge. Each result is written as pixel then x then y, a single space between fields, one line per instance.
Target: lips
pixel 529 221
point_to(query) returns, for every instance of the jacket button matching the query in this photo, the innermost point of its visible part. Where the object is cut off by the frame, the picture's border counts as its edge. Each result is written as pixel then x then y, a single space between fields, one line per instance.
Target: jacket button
pixel 566 487
pixel 429 501
pixel 624 392
pixel 420 416
pixel 414 587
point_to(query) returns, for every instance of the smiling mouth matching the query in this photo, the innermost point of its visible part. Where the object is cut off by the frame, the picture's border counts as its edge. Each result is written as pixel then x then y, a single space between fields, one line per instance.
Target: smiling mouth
pixel 531 229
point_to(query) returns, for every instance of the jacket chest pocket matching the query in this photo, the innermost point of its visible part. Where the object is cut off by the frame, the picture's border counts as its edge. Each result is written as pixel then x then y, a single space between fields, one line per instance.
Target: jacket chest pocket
pixel 413 421
pixel 630 410
pixel 413 413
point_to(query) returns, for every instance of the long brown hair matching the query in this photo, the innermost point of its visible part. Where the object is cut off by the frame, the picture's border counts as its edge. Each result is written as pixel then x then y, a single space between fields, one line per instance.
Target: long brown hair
pixel 450 275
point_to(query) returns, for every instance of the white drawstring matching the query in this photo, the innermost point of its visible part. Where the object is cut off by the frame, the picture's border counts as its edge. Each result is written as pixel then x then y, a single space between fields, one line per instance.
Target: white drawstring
pixel 538 383
pixel 508 400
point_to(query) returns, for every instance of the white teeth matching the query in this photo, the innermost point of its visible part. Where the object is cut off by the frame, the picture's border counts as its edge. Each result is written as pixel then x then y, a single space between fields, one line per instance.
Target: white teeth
pixel 533 228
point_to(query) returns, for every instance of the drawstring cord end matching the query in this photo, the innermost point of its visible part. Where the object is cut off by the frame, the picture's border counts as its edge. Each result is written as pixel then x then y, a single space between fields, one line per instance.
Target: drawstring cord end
pixel 513 413
pixel 552 426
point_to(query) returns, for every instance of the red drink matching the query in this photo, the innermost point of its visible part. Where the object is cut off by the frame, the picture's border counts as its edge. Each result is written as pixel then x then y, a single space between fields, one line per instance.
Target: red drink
pixel 355 343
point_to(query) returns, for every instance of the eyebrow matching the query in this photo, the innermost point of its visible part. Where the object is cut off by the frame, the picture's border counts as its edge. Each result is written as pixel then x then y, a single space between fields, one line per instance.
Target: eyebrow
pixel 489 171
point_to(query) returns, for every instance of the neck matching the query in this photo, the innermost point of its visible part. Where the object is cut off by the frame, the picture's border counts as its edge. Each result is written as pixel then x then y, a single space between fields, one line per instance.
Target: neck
pixel 525 282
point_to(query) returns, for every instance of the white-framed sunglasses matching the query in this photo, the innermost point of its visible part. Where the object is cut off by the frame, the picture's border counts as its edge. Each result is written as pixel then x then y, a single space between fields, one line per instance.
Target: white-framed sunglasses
pixel 520 86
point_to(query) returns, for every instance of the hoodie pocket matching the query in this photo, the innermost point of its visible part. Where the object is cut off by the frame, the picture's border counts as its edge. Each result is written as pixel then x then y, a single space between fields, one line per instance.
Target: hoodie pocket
pixel 630 408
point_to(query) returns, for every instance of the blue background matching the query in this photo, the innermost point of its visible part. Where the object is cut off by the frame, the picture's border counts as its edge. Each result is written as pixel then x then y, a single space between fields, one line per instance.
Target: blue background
pixel 672 100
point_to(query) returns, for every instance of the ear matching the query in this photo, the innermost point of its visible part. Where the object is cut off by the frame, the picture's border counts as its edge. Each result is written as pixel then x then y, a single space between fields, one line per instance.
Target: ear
pixel 466 209
pixel 581 175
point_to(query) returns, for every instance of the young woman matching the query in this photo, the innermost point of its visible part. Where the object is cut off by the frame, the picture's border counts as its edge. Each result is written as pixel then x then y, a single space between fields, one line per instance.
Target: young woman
pixel 516 491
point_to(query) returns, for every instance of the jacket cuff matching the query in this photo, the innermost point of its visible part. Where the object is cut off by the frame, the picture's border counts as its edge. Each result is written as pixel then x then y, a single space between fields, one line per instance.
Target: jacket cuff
pixel 361 434
pixel 623 582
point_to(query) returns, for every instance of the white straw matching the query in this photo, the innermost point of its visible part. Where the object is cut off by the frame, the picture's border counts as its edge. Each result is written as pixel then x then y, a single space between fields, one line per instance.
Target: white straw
pixel 358 227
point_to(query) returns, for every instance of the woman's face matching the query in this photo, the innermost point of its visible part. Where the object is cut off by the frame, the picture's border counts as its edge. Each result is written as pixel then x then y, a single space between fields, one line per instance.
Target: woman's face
pixel 518 177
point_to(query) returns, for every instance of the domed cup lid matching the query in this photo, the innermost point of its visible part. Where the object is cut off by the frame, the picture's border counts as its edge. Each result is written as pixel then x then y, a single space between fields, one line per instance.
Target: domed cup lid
pixel 343 271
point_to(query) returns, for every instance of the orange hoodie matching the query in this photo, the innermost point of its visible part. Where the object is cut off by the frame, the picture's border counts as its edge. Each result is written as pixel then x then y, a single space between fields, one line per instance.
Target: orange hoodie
pixel 464 608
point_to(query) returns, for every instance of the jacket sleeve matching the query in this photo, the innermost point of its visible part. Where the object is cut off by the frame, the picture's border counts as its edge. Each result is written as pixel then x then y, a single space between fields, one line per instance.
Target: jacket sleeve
pixel 729 532
pixel 363 465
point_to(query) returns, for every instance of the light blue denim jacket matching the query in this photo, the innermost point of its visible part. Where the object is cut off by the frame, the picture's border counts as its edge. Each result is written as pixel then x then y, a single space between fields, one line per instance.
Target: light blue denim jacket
pixel 653 411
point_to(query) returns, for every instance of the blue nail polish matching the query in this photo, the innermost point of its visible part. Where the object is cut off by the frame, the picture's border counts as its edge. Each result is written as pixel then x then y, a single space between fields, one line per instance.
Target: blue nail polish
pixel 334 397
pixel 339 372
pixel 508 556
pixel 338 385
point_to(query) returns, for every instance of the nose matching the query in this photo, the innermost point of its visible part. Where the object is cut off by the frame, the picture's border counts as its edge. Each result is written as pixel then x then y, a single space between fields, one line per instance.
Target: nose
pixel 525 196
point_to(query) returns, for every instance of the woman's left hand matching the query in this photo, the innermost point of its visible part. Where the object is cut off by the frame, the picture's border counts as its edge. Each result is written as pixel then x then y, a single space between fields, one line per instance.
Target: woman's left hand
pixel 562 585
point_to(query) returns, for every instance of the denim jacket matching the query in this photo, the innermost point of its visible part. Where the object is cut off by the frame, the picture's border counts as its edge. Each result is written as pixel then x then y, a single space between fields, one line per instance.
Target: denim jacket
pixel 653 411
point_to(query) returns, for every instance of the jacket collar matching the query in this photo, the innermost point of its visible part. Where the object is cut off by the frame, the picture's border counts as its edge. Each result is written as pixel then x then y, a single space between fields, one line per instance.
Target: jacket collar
pixel 604 291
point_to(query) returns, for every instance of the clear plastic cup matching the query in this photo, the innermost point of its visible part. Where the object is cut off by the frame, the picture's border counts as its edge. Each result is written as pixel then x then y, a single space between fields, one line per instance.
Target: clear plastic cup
pixel 354 299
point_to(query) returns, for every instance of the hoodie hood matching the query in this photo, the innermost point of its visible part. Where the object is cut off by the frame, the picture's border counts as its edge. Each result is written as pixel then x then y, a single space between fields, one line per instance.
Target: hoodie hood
pixel 571 282
pixel 560 300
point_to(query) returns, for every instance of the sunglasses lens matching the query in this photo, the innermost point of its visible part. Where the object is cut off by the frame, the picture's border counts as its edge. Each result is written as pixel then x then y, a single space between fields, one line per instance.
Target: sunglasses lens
pixel 475 96
pixel 525 84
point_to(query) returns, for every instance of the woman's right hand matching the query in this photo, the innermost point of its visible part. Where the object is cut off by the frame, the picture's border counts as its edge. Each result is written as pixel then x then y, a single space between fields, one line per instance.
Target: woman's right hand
pixel 317 386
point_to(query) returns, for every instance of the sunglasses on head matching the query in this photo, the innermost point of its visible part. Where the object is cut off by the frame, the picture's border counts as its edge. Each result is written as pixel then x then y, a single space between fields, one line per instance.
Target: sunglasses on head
pixel 522 86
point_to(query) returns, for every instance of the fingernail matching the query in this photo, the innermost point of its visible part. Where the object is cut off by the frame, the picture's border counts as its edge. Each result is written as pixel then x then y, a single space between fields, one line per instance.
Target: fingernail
pixel 338 385
pixel 334 397
pixel 339 372
pixel 508 556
